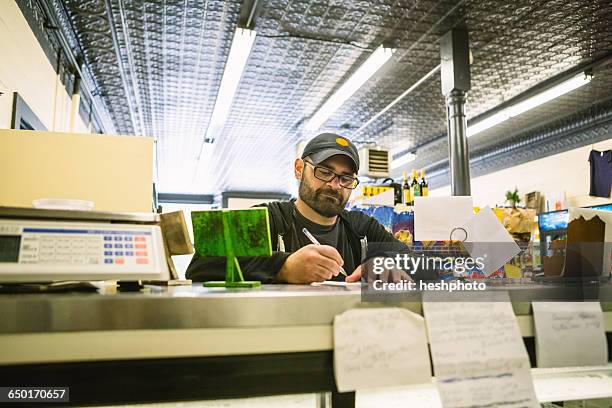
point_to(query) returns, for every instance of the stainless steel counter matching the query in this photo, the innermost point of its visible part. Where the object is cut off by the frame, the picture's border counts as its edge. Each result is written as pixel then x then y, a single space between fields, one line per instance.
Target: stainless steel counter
pixel 180 307
pixel 195 322
pixel 196 307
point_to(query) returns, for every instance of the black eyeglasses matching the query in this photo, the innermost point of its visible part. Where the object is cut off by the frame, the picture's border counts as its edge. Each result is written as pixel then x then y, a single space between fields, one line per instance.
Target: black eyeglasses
pixel 327 175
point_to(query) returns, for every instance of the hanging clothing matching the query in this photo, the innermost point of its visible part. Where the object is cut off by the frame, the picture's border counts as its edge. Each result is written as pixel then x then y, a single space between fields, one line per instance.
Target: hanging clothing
pixel 601 173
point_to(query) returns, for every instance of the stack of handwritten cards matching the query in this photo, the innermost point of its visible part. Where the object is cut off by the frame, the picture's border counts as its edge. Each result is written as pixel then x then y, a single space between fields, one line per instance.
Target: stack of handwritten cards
pixel 478 355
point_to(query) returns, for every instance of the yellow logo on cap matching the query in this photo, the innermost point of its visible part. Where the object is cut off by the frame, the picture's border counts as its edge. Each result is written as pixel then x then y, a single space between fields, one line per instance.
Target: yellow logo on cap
pixel 341 141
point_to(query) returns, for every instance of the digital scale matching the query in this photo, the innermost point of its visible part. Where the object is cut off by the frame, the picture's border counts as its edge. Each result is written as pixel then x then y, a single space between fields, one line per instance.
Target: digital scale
pixel 53 245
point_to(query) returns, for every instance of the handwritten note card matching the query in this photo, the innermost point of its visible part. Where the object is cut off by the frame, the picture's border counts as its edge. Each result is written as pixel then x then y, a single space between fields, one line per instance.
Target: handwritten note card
pixel 478 355
pixel 380 347
pixel 569 334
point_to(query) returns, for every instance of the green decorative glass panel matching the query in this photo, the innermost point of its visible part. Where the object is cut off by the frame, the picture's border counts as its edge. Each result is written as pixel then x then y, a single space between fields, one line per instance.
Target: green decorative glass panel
pixel 249 232
pixel 232 233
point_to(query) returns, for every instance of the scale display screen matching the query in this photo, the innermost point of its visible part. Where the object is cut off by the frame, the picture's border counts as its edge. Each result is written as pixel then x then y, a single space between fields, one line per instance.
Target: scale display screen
pixel 9 248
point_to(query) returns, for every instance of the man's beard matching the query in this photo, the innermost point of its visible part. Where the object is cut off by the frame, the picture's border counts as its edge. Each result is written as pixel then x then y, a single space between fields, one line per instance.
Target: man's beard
pixel 326 201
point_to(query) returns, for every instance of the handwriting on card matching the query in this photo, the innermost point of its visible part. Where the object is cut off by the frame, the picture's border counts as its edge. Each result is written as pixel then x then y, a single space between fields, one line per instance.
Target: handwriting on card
pixel 380 347
pixel 569 334
pixel 478 354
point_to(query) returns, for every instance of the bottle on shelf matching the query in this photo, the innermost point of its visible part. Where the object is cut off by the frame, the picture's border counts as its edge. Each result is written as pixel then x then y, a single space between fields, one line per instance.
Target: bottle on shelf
pixel 406 190
pixel 415 188
pixel 424 185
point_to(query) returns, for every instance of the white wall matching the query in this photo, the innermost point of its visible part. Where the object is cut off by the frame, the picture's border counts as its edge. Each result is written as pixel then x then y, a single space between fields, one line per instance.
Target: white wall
pixel 568 171
pixel 25 69
pixel 237 203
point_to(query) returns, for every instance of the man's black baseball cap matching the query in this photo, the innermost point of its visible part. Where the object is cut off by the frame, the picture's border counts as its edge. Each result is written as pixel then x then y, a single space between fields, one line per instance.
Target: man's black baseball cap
pixel 326 145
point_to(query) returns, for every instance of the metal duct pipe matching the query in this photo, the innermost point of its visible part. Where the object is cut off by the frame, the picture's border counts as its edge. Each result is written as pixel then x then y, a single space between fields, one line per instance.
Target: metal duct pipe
pixel 456 82
pixel 457 143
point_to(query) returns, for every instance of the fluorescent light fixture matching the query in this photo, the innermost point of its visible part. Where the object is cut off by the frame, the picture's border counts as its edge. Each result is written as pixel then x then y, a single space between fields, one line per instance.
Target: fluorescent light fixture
pixel 487 123
pixel 514 110
pixel 404 159
pixel 530 103
pixel 356 81
pixel 236 61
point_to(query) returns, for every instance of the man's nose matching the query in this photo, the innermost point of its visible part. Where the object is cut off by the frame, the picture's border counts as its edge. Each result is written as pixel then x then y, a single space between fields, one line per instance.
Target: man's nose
pixel 335 183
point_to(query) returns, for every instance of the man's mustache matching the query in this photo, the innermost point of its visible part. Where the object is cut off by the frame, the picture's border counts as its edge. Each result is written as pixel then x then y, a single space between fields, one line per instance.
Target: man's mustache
pixel 331 193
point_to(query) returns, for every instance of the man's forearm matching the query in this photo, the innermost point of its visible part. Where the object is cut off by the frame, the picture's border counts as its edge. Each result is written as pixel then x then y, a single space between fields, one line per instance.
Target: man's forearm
pixel 281 275
pixel 264 268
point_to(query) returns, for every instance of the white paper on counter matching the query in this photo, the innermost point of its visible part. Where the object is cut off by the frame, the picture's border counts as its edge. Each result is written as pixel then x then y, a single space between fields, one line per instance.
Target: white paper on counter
pixel 478 355
pixel 569 334
pixel 380 347
pixel 436 217
pixel 488 240
pixel 348 285
pixel 567 384
pixel 407 396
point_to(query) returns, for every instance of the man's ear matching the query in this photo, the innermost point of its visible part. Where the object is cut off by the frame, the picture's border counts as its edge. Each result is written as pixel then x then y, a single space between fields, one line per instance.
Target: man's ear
pixel 298 168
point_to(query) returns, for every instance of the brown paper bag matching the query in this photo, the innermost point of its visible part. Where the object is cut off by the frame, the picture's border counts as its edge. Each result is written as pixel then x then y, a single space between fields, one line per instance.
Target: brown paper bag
pixel 519 220
pixel 585 247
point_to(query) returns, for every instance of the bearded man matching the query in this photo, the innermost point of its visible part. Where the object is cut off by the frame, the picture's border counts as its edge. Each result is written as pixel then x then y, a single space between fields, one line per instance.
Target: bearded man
pixel 327 174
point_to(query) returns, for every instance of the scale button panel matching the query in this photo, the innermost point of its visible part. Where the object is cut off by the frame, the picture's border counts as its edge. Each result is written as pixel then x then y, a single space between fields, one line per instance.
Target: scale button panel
pixel 83 247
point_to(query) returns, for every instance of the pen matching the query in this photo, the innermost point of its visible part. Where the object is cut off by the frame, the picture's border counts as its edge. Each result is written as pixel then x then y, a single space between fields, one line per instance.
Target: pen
pixel 314 241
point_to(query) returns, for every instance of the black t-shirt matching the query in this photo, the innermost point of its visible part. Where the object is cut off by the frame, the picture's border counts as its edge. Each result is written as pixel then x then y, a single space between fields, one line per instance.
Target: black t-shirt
pixel 332 235
pixel 601 173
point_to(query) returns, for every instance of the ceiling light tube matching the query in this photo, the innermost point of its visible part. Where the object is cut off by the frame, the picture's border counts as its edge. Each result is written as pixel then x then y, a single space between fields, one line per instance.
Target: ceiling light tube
pixel 530 103
pixel 374 62
pixel 240 49
pixel 404 159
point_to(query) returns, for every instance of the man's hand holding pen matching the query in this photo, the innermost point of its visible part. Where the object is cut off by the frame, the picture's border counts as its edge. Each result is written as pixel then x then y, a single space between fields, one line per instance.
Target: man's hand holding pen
pixel 312 263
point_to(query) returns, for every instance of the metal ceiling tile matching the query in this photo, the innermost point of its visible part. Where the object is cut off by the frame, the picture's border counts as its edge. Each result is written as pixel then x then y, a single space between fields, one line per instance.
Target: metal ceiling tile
pixel 158 65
